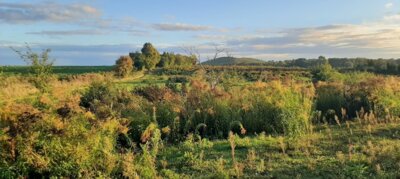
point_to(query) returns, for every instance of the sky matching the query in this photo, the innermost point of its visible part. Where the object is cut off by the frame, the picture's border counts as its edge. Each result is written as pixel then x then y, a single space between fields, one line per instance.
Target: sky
pixel 97 32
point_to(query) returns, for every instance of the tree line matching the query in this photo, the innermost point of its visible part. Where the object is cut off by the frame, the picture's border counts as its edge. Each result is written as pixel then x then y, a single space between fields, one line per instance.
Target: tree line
pixel 149 58
pixel 382 66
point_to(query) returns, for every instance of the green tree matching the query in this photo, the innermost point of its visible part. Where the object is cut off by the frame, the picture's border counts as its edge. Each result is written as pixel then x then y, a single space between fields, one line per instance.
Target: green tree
pixel 167 59
pixel 151 57
pixel 171 59
pixel 40 66
pixel 124 66
pixel 325 72
pixel 137 58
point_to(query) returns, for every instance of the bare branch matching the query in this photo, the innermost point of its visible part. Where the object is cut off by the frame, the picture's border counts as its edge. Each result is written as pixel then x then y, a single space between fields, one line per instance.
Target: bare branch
pixel 213 77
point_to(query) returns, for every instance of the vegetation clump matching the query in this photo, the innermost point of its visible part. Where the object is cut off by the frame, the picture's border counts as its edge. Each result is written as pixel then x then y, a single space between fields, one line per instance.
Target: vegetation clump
pixel 40 66
pixel 123 66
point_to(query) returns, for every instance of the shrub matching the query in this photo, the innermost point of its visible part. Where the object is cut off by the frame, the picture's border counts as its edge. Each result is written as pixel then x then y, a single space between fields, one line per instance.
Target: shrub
pixel 209 107
pixel 106 101
pixel 150 56
pixel 123 66
pixel 325 72
pixel 271 107
pixel 278 108
pixel 40 66
pixel 41 145
pixel 153 93
pixel 386 97
pixel 330 96
pixel 99 99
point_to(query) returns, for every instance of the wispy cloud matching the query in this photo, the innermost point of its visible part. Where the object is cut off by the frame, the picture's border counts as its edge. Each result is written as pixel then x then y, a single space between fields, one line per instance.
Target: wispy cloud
pixel 179 27
pixel 46 12
pixel 388 5
pixel 392 18
pixel 211 37
pixel 68 32
pixel 373 39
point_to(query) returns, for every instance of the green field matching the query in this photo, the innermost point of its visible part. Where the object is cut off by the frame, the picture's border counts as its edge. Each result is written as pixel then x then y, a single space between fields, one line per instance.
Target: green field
pixel 62 70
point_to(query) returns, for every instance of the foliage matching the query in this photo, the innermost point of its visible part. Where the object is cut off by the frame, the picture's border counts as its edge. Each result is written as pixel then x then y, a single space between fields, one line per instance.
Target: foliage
pixel 99 126
pixel 40 66
pixel 171 60
pixel 325 72
pixel 330 96
pixel 99 99
pixel 264 107
pixel 138 60
pixel 150 56
pixel 124 66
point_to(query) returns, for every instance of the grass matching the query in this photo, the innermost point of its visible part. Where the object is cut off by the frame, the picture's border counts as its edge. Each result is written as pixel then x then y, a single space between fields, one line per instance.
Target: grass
pixel 139 79
pixel 313 156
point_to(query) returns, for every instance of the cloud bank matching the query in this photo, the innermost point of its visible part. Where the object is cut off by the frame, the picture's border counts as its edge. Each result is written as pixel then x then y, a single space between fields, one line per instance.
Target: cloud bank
pixel 15 13
pixel 374 39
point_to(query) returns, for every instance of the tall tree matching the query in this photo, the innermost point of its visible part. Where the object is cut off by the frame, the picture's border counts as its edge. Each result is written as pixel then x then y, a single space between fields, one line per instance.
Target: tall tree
pixel 151 57
pixel 137 58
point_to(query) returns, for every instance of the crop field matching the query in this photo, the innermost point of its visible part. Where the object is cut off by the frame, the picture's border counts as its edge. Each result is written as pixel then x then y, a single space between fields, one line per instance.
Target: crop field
pixel 60 70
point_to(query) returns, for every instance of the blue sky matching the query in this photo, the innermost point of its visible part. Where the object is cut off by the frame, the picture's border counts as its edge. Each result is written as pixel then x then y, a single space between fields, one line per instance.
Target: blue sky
pixel 96 32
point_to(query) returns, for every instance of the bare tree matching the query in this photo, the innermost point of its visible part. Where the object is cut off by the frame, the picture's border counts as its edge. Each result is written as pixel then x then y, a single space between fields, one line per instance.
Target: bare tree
pixel 212 76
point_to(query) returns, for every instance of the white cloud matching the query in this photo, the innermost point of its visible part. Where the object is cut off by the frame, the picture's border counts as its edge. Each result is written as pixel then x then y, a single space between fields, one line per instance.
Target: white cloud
pixel 378 39
pixel 388 5
pixel 46 12
pixel 68 32
pixel 270 56
pixel 211 37
pixel 179 27
pixel 392 18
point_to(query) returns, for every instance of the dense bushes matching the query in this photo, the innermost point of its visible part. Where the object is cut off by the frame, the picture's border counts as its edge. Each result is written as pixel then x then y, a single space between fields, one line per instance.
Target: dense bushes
pixel 171 60
pixel 95 142
pixel 273 107
pixel 386 97
pixel 102 130
pixel 330 98
pixel 38 144
pixel 278 108
pixel 358 92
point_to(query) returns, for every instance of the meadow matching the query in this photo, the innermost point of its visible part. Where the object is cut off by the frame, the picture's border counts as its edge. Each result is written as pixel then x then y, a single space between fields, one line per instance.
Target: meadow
pixel 178 119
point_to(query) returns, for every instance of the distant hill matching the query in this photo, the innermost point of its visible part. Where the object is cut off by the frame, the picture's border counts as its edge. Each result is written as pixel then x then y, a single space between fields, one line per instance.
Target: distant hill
pixel 226 61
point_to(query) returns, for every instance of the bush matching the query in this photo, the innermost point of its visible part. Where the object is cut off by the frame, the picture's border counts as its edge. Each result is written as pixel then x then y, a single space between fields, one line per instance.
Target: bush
pixel 325 72
pixel 386 97
pixel 271 107
pixel 330 96
pixel 105 101
pixel 42 145
pixel 99 99
pixel 40 67
pixel 123 66
pixel 278 108
pixel 153 93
